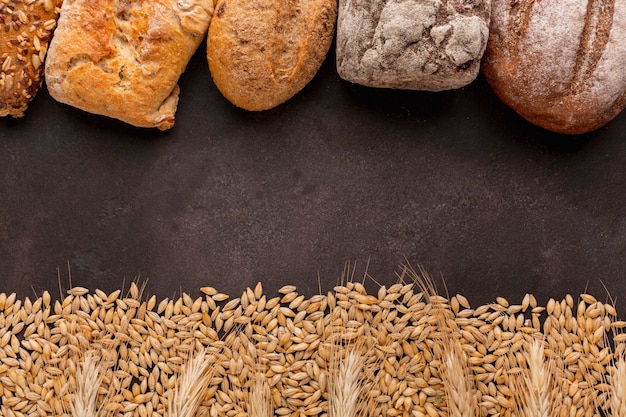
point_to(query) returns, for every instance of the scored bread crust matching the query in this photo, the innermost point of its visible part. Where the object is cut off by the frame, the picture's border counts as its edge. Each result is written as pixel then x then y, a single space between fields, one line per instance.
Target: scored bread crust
pixel 26 27
pixel 559 64
pixel 261 53
pixel 123 58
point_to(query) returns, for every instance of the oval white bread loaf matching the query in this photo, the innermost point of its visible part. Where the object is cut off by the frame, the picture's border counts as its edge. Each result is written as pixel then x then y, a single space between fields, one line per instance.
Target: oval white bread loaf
pixel 262 52
pixel 123 58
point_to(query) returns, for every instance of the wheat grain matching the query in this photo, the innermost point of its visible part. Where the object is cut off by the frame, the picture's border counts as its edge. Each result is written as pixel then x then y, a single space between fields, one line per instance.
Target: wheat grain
pixel 405 368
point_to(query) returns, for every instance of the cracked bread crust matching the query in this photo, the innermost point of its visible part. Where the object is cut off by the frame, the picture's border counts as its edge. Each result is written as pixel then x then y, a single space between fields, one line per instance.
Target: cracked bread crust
pixel 123 58
pixel 430 45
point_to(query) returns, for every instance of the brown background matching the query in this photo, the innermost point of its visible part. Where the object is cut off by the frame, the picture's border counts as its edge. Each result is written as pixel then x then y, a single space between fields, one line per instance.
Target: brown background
pixel 453 181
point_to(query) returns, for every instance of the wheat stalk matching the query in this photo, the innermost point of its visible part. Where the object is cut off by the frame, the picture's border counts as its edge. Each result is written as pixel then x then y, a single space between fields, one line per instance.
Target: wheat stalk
pixel 346 385
pixel 455 371
pixel 191 385
pixel 350 373
pixel 538 382
pixel 537 389
pixel 462 399
pixel 259 397
pixel 346 374
pixel 88 381
pixel 617 402
pixel 614 402
pixel 86 399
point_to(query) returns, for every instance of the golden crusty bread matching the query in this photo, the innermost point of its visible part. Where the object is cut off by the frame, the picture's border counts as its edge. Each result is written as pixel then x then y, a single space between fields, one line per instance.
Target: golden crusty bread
pixel 123 58
pixel 25 30
pixel 261 53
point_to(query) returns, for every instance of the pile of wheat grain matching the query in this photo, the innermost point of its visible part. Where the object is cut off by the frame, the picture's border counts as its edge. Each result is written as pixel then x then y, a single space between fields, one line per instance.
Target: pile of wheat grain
pixel 403 351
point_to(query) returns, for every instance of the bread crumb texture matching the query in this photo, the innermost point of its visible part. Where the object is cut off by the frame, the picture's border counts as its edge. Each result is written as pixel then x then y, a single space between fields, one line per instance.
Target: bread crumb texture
pixel 428 45
pixel 123 58
pixel 262 53
pixel 559 64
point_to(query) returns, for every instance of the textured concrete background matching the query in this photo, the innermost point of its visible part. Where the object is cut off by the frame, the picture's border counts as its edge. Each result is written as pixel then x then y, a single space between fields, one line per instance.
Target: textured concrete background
pixel 452 181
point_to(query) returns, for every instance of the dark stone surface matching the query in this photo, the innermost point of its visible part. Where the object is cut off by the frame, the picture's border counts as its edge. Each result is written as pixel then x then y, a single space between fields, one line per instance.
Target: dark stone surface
pixel 453 181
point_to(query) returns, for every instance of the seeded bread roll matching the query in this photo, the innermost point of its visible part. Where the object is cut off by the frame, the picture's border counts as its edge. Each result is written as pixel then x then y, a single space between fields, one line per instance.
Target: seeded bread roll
pixel 263 52
pixel 25 30
pixel 559 64
pixel 123 58
pixel 429 45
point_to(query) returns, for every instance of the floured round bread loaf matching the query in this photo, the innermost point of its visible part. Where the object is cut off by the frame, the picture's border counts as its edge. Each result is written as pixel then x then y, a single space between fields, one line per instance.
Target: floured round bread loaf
pixel 559 64
pixel 262 52
pixel 123 58
pixel 429 45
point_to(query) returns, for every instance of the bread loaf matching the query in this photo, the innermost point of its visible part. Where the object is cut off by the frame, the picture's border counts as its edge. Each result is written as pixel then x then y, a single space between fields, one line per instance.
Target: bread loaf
pixel 559 64
pixel 428 45
pixel 25 30
pixel 123 58
pixel 262 52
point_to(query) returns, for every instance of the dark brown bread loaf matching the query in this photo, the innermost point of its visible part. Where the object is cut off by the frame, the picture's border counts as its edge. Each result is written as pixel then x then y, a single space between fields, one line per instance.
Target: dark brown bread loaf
pixel 559 64
pixel 428 45
pixel 25 30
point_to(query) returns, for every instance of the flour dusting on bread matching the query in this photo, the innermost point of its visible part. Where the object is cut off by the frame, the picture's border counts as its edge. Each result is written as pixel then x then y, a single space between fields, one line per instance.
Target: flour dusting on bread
pixel 559 64
pixel 430 45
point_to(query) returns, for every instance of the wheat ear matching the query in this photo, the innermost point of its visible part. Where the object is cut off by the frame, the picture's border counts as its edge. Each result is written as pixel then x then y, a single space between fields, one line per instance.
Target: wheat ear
pixel 346 386
pixel 260 397
pixel 350 373
pixel 536 387
pixel 455 371
pixel 88 381
pixel 539 380
pixel 191 385
pixel 617 392
pixel 462 400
